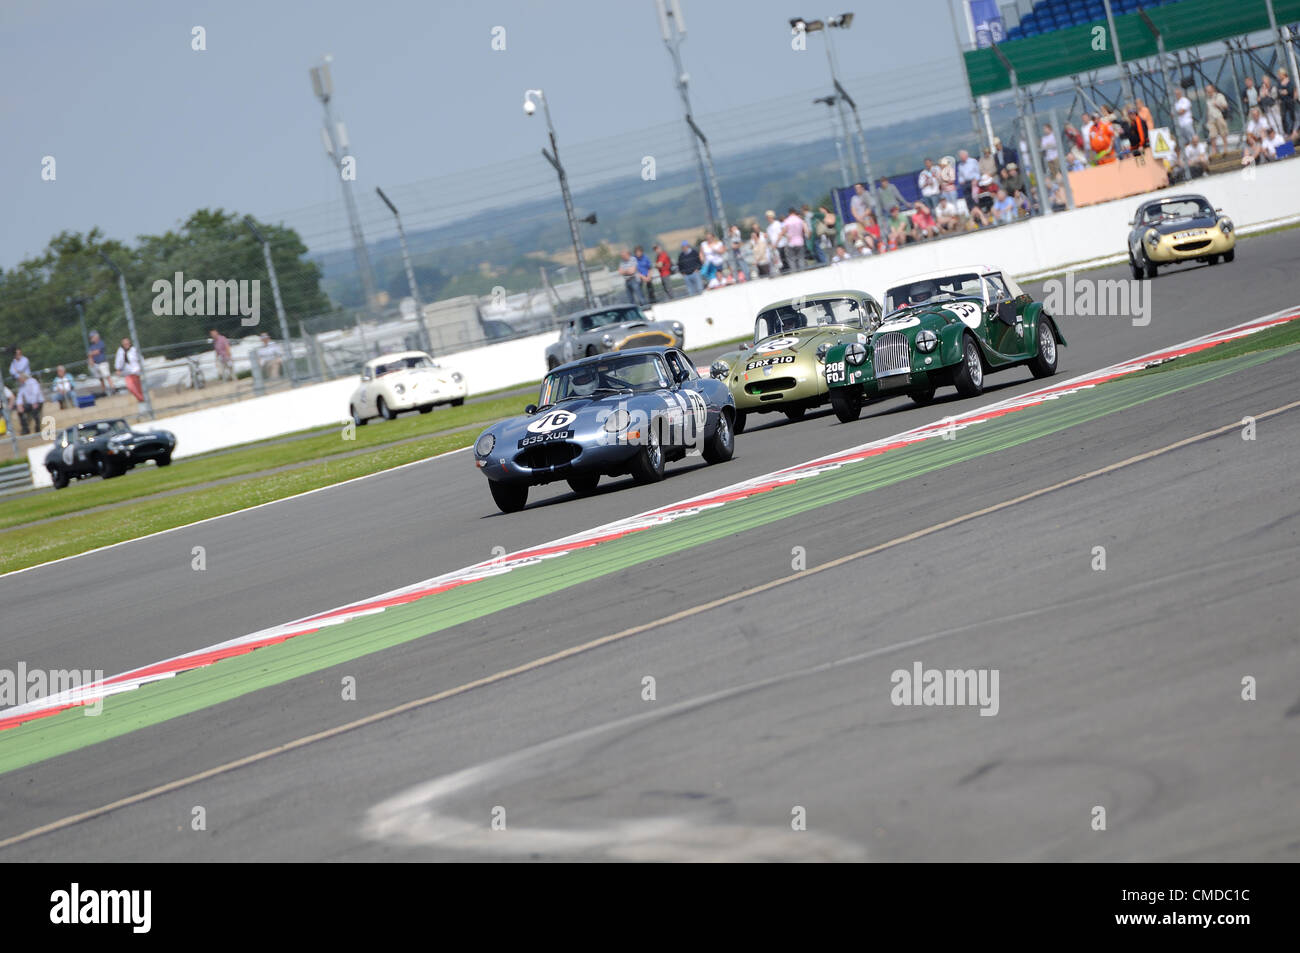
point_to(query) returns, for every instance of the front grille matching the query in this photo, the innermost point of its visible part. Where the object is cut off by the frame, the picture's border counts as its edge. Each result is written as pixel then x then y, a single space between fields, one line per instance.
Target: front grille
pixel 892 355
pixel 768 386
pixel 647 339
pixel 547 455
pixel 1192 246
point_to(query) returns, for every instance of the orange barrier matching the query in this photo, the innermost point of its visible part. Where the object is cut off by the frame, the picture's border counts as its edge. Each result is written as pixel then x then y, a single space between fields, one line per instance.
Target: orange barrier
pixel 1132 176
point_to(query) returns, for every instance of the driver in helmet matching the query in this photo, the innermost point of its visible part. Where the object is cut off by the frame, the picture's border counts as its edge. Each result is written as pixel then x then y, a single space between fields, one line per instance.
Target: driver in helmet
pixel 923 291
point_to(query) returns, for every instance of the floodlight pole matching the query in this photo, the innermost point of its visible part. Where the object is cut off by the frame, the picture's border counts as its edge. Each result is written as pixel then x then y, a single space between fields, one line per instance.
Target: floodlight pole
pixel 1119 57
pixel 130 324
pixel 275 291
pixel 553 157
pixel 410 272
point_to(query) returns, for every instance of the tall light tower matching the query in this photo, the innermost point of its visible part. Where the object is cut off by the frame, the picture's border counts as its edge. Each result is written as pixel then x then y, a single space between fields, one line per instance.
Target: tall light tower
pixel 335 139
pixel 673 28
pixel 531 98
pixel 410 274
pixel 130 324
pixel 842 22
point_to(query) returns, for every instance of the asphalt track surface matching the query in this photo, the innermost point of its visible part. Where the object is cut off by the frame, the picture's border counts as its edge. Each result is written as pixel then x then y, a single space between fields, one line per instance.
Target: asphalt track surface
pixel 1119 688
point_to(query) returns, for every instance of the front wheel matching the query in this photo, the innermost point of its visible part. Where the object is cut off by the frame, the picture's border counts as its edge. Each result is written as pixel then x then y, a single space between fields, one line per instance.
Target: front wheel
pixel 1134 267
pixel 648 464
pixel 1151 268
pixel 1043 363
pixel 738 425
pixel 59 477
pixel 164 461
pixel 1230 254
pixel 426 408
pixel 796 412
pixel 384 410
pixel 584 485
pixel 458 402
pixel 720 447
pixel 847 407
pixel 107 469
pixel 509 497
pixel 969 375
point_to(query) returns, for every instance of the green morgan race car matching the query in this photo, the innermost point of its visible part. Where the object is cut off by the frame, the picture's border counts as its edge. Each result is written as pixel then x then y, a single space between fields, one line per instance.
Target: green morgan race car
pixel 948 327
pixel 781 370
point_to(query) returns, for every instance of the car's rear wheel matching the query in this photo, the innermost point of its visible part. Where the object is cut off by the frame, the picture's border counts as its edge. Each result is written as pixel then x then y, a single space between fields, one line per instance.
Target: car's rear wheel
pixel 1230 254
pixel 738 425
pixel 648 464
pixel 796 412
pixel 922 395
pixel 720 447
pixel 847 407
pixel 969 374
pixel 584 485
pixel 59 477
pixel 384 410
pixel 1043 363
pixel 357 418
pixel 509 497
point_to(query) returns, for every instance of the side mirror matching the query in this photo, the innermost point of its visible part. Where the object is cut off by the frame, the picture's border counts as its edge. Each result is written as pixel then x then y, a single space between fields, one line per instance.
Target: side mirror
pixel 744 347
pixel 1218 211
pixel 1132 221
pixel 530 409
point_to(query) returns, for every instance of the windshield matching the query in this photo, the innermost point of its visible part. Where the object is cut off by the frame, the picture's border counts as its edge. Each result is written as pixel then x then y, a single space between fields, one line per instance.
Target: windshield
pixel 1178 208
pixel 88 432
pixel 404 363
pixel 613 316
pixel 633 373
pixel 919 292
pixel 815 312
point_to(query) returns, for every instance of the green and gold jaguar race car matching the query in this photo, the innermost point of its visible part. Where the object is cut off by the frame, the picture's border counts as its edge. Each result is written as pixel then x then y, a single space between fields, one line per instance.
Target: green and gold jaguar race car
pixel 781 370
pixel 948 327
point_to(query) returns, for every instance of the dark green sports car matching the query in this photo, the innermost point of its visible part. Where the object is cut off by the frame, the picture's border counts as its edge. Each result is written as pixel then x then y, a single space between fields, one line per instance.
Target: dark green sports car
pixel 944 328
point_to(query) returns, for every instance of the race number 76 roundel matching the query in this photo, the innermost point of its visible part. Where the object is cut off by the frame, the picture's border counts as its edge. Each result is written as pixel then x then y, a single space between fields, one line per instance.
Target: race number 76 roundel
pixel 555 420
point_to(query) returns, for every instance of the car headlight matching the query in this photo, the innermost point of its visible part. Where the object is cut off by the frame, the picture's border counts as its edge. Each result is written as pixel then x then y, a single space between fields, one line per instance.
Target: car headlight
pixel 927 341
pixel 719 369
pixel 485 444
pixel 617 421
pixel 821 351
pixel 1225 225
pixel 677 327
pixel 400 388
pixel 607 340
pixel 457 376
pixel 1152 237
pixel 855 353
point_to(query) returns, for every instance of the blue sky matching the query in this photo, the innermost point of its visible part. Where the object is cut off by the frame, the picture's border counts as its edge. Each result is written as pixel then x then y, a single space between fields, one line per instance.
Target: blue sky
pixel 144 129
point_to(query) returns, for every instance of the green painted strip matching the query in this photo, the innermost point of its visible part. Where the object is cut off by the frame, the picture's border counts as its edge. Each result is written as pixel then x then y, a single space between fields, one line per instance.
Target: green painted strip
pixel 273 665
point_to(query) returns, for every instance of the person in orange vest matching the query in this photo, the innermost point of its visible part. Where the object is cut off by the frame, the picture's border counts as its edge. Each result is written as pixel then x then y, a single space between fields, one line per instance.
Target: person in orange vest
pixel 1102 139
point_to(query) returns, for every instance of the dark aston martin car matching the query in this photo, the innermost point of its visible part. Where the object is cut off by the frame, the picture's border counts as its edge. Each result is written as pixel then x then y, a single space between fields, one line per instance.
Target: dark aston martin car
pixel 105 448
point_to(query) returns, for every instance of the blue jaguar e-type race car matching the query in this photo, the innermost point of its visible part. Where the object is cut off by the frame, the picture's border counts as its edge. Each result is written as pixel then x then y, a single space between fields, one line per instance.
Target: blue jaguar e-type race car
pixel 626 412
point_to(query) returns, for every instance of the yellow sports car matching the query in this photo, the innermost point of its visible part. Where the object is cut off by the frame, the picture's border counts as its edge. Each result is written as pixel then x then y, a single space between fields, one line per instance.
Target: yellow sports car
pixel 1178 228
pixel 781 370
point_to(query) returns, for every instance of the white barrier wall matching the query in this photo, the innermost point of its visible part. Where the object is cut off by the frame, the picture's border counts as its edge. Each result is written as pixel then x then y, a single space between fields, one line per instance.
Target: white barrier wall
pixel 1258 196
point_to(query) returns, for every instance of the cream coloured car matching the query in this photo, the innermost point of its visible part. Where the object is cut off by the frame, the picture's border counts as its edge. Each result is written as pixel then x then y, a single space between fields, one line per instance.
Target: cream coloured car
pixel 402 381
